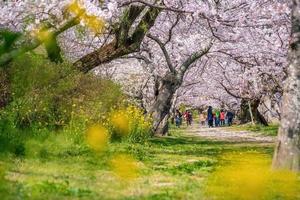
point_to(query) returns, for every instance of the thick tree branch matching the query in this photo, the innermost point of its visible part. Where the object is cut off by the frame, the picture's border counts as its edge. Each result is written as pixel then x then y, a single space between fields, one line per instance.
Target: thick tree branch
pixel 116 49
pixel 154 6
pixel 164 50
pixel 171 29
pixel 229 92
pixel 193 58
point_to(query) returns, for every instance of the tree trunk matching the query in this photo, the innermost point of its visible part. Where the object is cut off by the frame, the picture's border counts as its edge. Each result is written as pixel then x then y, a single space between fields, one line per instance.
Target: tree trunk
pixel 160 109
pixel 287 153
pixel 245 115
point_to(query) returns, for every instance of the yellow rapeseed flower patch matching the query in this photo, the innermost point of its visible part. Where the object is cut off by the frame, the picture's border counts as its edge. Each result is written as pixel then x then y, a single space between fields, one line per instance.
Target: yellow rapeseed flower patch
pixel 97 137
pixel 125 167
pixel 120 121
pixel 249 177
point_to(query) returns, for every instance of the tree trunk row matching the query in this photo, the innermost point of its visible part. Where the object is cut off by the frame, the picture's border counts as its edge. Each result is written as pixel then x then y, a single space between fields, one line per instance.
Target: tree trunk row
pixel 245 115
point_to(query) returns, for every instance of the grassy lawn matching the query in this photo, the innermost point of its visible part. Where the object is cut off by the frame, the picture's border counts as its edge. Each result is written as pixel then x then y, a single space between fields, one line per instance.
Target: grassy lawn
pixel 173 167
pixel 270 130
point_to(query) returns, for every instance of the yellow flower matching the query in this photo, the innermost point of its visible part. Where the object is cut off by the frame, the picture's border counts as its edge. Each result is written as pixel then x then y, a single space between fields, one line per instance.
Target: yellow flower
pixel 42 34
pixel 121 122
pixel 249 177
pixel 124 167
pixel 96 24
pixel 97 137
pixel 75 8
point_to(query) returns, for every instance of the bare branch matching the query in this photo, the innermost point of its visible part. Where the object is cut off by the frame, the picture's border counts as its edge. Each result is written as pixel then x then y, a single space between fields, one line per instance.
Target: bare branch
pixel 164 50
pixel 193 58
pixel 154 6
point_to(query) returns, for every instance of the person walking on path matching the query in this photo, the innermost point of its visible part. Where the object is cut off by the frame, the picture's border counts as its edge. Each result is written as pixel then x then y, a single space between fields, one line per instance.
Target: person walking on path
pixel 202 119
pixel 222 118
pixel 188 118
pixel 210 117
pixel 178 119
pixel 229 117
pixel 217 118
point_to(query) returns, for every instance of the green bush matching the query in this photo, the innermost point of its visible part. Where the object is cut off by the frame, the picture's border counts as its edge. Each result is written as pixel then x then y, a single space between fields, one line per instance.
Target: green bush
pixel 47 98
pixel 47 94
pixel 129 124
pixel 53 105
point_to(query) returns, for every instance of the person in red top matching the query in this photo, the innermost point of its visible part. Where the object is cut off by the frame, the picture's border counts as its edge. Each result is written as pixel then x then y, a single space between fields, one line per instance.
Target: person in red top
pixel 222 118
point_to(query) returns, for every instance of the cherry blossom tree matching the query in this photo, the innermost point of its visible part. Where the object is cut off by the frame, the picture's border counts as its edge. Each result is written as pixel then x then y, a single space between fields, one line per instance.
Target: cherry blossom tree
pixel 242 45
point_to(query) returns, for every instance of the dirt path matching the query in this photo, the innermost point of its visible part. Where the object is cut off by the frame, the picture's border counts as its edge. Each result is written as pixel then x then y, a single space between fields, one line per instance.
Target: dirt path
pixel 225 134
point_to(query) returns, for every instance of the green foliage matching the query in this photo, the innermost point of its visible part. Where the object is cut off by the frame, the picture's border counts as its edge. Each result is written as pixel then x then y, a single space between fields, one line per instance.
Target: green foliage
pixel 47 94
pixel 53 105
pixel 7 40
pixel 48 98
pixel 58 189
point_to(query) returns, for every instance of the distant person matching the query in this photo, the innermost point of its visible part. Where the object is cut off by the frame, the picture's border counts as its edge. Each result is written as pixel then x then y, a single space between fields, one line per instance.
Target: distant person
pixel 202 119
pixel 191 117
pixel 229 117
pixel 185 115
pixel 178 119
pixel 217 118
pixel 222 118
pixel 210 117
pixel 188 118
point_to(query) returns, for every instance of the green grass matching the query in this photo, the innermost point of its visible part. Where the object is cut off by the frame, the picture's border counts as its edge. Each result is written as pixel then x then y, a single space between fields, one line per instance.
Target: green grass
pixel 173 167
pixel 270 130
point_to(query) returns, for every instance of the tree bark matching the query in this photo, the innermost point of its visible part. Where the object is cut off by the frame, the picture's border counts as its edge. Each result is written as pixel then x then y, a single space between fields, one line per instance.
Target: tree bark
pixel 161 107
pixel 123 44
pixel 287 152
pixel 160 110
pixel 245 115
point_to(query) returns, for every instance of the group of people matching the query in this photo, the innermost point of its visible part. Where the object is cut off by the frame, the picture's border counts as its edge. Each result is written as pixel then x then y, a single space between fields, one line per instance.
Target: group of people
pixel 216 118
pixel 213 118
pixel 187 115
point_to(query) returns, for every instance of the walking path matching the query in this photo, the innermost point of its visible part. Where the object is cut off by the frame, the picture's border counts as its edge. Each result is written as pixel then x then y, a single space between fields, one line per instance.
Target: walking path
pixel 227 134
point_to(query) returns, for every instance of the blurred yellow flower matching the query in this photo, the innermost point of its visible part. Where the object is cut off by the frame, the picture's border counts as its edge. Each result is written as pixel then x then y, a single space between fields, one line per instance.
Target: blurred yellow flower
pixel 249 177
pixel 125 167
pixel 96 24
pixel 42 34
pixel 121 122
pixel 97 137
pixel 75 8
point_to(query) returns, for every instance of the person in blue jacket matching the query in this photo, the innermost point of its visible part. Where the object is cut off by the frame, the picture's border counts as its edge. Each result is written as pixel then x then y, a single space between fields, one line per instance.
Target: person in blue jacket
pixel 210 118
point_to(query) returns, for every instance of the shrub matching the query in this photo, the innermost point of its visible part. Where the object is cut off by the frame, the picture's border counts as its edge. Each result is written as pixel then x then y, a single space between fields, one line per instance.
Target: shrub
pixel 47 97
pixel 129 124
pixel 48 94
